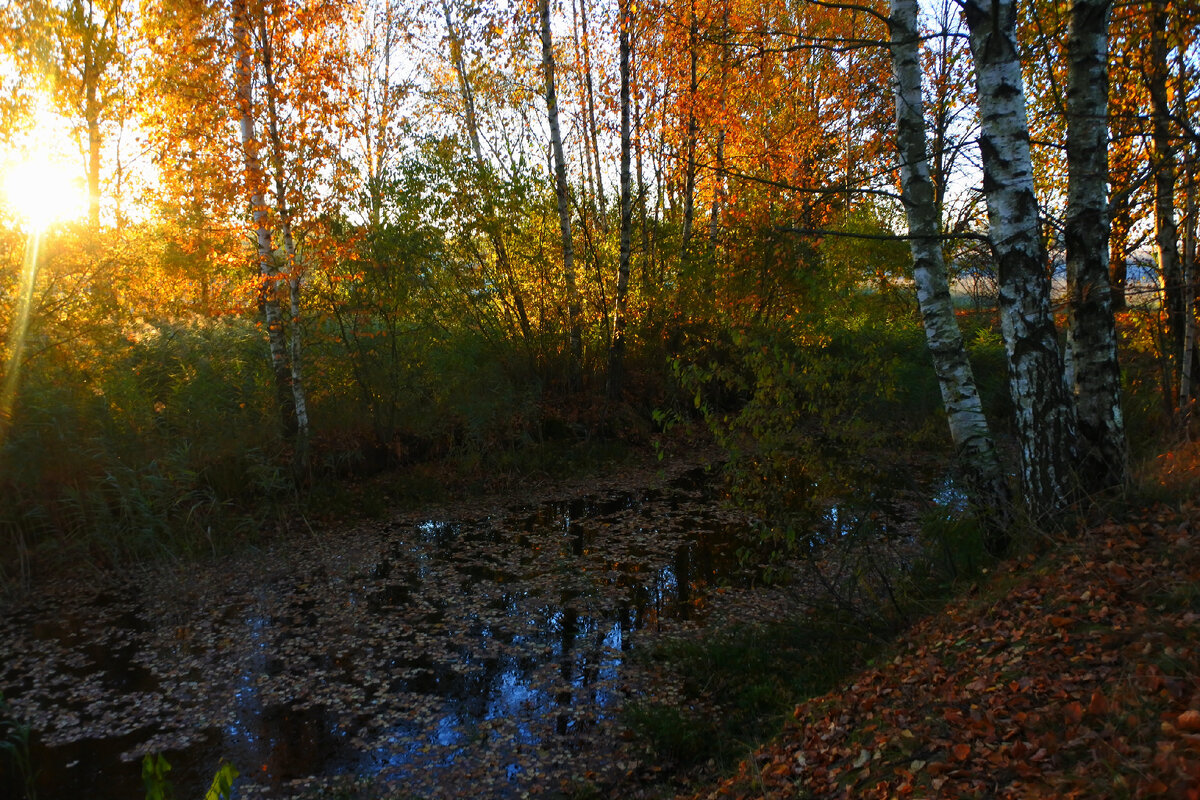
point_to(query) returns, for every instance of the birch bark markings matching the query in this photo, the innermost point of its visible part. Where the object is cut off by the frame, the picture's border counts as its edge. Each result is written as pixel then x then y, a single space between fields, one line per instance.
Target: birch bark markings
pixel 575 343
pixel 495 236
pixel 960 396
pixel 1091 336
pixel 255 189
pixel 1043 414
pixel 1166 231
pixel 289 244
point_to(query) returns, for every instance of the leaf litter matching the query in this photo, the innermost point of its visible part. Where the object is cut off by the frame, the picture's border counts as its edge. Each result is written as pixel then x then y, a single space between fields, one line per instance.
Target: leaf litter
pixel 1073 675
pixel 479 651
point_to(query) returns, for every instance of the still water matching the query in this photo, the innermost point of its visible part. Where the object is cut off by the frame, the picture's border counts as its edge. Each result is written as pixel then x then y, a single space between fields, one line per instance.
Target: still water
pixel 473 655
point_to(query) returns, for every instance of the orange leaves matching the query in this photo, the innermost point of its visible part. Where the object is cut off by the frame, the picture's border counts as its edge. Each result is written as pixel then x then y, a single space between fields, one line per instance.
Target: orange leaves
pixel 1078 680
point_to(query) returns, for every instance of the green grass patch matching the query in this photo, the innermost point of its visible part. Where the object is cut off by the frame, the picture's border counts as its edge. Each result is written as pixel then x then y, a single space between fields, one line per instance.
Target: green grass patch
pixel 740 683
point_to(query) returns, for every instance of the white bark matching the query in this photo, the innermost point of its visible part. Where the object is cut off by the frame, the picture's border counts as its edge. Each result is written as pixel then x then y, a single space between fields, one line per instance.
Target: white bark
pixel 1166 230
pixel 1091 338
pixel 289 248
pixel 960 397
pixel 472 121
pixel 258 210
pixel 1043 415
pixel 575 343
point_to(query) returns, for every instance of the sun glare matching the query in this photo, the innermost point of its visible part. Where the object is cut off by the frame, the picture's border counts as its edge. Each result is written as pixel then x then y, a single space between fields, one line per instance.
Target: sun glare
pixel 41 191
pixel 41 184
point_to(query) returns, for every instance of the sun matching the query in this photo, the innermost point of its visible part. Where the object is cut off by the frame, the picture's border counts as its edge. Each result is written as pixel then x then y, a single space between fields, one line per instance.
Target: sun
pixel 40 181
pixel 41 190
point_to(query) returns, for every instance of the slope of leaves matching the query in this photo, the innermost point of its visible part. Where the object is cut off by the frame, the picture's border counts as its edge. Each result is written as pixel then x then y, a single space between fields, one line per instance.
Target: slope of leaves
pixel 1073 675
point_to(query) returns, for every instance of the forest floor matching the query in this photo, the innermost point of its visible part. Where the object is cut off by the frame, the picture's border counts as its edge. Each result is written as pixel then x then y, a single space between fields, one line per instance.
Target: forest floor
pixel 1074 673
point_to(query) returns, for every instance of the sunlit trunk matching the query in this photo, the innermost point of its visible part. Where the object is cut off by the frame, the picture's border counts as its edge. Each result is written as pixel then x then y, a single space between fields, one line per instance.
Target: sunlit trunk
pixel 1091 337
pixel 255 189
pixel 575 343
pixel 592 131
pixel 294 270
pixel 960 396
pixel 1042 410
pixel 1187 372
pixel 472 122
pixel 91 112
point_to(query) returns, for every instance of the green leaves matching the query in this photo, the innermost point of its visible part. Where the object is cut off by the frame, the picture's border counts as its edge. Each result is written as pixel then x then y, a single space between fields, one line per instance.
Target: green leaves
pixel 222 783
pixel 154 776
pixel 158 786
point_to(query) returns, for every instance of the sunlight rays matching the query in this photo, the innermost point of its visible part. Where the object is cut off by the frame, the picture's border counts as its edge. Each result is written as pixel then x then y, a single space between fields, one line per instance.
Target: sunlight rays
pixel 39 189
pixel 18 329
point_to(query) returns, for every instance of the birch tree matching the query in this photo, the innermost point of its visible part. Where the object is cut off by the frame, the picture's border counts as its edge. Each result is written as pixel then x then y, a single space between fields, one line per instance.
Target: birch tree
pixel 255 183
pixel 495 233
pixel 575 342
pixel 1091 335
pixel 1163 163
pixel 1043 413
pixel 284 212
pixel 616 357
pixel 960 396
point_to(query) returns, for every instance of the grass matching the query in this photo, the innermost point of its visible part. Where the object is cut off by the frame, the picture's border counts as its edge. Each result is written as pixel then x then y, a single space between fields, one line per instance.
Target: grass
pixel 740 683
pixel 1065 674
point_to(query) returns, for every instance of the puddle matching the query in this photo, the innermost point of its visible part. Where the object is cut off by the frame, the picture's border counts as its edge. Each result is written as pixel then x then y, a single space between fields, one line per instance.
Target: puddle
pixel 445 658
pixel 430 654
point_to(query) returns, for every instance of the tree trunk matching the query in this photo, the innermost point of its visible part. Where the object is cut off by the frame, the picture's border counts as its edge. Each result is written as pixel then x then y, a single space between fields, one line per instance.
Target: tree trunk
pixel 258 209
pixel 1091 337
pixel 593 133
pixel 90 75
pixel 616 355
pixel 494 236
pixel 960 396
pixel 575 344
pixel 689 175
pixel 714 215
pixel 1042 410
pixel 289 249
pixel 1120 222
pixel 1166 232
pixel 1188 370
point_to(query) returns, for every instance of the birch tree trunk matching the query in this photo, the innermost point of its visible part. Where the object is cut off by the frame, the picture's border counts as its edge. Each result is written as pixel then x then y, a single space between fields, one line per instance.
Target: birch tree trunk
pixel 960 397
pixel 616 355
pixel 575 344
pixel 1166 232
pixel 472 120
pixel 258 209
pixel 1187 371
pixel 1043 414
pixel 1091 337
pixel 593 133
pixel 294 271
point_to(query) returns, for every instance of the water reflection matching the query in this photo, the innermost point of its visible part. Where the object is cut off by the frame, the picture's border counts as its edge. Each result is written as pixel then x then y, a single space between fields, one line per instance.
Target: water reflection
pixel 424 654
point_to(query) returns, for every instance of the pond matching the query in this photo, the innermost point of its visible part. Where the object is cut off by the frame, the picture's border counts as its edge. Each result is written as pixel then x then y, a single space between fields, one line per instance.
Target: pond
pixel 480 653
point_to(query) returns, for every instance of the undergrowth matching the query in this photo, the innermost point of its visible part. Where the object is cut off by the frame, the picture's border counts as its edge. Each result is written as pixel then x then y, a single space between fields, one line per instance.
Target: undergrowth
pixel 738 684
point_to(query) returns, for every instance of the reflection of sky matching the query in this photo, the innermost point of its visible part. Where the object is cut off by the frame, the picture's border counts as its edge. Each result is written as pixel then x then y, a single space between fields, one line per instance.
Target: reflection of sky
pixel 949 495
pixel 544 661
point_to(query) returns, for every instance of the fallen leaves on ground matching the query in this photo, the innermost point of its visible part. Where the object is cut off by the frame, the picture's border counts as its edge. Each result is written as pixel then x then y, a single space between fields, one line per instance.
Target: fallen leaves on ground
pixel 1073 675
